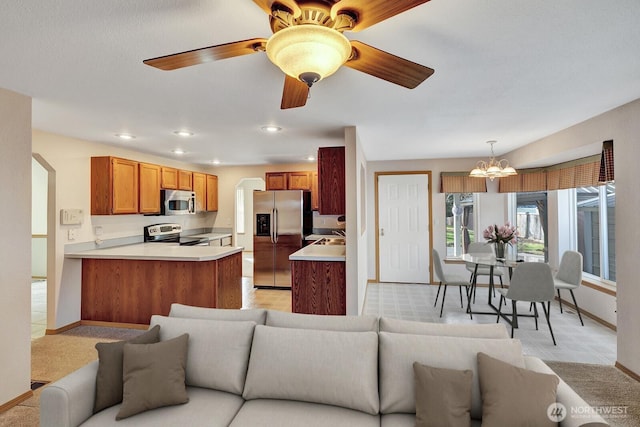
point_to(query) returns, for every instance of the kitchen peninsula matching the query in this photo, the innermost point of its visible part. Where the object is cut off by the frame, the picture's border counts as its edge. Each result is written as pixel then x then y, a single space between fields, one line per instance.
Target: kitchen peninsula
pixel 318 278
pixel 128 284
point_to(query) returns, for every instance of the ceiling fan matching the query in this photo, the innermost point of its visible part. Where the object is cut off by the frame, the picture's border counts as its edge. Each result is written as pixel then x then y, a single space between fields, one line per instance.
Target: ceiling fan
pixel 308 44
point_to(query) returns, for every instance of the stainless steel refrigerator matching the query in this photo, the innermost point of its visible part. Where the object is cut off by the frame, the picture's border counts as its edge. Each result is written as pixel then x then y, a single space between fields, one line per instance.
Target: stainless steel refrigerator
pixel 281 221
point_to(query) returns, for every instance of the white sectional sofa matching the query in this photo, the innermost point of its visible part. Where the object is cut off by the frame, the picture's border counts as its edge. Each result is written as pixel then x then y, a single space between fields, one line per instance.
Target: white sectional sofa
pixel 267 368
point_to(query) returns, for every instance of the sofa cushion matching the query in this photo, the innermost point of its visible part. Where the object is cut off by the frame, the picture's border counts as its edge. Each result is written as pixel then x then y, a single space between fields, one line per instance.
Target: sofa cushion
pixel 153 376
pixel 514 396
pixel 206 408
pixel 257 315
pixel 330 367
pixel 109 377
pixel 489 330
pixel 287 413
pixel 398 352
pixel 408 420
pixel 281 319
pixel 218 350
pixel 443 396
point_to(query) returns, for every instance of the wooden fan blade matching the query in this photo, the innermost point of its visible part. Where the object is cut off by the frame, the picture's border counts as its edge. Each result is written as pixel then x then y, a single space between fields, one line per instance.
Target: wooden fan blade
pixel 295 93
pixel 267 6
pixel 386 66
pixel 207 54
pixel 370 12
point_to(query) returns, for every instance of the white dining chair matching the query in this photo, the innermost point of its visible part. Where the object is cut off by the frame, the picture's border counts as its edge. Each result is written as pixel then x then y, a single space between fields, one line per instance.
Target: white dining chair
pixel 569 277
pixel 531 282
pixel 448 280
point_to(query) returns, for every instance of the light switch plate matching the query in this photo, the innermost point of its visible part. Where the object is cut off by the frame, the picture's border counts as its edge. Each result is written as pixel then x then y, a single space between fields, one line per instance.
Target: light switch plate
pixel 71 216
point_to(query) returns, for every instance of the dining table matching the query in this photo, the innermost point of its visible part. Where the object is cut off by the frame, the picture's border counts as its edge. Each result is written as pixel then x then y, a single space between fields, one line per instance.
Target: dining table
pixel 488 260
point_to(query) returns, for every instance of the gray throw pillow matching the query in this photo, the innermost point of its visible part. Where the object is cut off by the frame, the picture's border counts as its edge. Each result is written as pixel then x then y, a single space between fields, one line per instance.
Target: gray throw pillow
pixel 443 396
pixel 513 396
pixel 109 376
pixel 153 376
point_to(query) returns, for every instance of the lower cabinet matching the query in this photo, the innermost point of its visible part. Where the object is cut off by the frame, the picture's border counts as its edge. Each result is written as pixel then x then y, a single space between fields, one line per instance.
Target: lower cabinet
pixel 318 287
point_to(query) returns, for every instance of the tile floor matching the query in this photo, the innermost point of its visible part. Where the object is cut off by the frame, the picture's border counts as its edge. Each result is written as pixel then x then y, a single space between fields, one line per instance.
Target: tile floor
pixel 591 343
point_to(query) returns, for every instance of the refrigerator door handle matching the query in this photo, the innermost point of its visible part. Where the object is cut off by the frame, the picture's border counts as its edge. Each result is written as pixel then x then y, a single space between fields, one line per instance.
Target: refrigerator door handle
pixel 275 226
pixel 271 223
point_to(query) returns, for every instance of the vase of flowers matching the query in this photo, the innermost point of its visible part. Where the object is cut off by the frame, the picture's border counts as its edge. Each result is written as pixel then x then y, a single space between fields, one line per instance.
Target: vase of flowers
pixel 500 236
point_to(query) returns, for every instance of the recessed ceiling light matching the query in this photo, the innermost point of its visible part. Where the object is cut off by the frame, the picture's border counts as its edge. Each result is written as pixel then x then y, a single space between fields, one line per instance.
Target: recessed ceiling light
pixel 215 162
pixel 183 132
pixel 178 151
pixel 271 129
pixel 126 136
pixel 311 158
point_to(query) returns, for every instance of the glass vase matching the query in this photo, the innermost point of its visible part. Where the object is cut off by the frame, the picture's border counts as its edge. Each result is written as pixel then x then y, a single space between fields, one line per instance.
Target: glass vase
pixel 499 247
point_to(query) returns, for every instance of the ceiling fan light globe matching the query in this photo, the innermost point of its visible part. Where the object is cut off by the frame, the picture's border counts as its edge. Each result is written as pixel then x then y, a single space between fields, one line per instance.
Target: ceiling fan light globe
pixel 304 49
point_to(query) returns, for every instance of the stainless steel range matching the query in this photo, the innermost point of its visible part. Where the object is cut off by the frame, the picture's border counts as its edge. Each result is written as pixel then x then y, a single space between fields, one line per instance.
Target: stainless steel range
pixel 170 233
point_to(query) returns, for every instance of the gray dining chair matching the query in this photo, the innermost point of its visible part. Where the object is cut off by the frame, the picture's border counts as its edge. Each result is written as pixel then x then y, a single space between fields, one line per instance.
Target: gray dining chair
pixel 483 270
pixel 569 277
pixel 448 280
pixel 531 282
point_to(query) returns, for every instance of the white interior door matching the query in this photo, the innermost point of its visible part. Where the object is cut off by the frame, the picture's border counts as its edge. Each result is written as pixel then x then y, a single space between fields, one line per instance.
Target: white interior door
pixel 403 234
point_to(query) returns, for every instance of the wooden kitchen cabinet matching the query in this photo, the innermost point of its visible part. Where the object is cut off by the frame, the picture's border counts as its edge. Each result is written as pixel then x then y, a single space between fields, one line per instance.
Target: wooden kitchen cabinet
pixel 276 181
pixel 169 178
pixel 114 186
pixel 200 188
pixel 149 200
pixel 314 191
pixel 318 287
pixel 331 181
pixel 185 180
pixel 212 193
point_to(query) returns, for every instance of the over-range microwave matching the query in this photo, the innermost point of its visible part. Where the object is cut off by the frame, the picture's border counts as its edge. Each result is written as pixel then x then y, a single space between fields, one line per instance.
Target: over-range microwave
pixel 177 202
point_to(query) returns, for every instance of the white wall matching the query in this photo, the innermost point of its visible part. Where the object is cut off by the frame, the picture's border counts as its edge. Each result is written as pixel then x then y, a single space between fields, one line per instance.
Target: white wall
pixel 248 186
pixel 39 182
pixel 71 161
pixel 15 252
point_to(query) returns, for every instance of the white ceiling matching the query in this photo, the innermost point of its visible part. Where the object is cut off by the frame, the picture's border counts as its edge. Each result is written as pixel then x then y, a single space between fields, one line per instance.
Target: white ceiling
pixel 510 70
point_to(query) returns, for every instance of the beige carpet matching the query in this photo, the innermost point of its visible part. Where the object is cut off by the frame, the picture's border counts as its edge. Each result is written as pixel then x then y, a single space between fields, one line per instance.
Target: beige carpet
pixel 53 357
pixel 605 388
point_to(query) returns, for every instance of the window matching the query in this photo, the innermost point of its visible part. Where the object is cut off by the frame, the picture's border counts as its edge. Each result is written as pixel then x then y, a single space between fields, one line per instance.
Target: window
pixel 595 207
pixel 460 222
pixel 531 222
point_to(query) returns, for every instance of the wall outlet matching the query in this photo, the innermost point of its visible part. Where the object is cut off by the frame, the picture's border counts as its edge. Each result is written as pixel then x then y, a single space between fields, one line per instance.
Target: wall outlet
pixel 97 230
pixel 72 234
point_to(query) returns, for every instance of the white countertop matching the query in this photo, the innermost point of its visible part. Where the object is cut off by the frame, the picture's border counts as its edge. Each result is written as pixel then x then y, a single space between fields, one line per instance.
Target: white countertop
pixel 159 252
pixel 320 253
pixel 321 236
pixel 211 236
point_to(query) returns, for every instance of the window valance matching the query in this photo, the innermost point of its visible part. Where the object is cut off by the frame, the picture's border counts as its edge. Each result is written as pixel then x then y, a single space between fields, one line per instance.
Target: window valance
pixel 460 182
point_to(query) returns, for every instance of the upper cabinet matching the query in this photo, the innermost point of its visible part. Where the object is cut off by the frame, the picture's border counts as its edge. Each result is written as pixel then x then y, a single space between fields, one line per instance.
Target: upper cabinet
pixel 185 180
pixel 212 193
pixel 331 181
pixel 200 188
pixel 121 186
pixel 169 178
pixel 276 181
pixel 114 186
pixel 149 200
pixel 304 180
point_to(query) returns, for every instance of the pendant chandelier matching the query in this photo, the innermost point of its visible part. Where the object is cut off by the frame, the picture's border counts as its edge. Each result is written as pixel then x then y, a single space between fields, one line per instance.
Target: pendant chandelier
pixel 494 168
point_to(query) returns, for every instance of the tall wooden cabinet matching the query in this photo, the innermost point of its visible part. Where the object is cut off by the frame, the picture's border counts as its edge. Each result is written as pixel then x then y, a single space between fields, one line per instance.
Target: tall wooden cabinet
pixel 212 193
pixel 200 188
pixel 331 181
pixel 149 197
pixel 114 186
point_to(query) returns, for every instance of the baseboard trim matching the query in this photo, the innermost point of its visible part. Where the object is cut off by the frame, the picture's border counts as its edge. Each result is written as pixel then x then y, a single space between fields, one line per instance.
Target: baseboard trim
pixel 62 329
pixel 113 324
pixel 627 371
pixel 15 402
pixel 590 315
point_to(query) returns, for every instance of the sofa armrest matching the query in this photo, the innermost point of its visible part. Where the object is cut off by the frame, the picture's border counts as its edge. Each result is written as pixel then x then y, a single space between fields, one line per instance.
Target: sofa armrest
pixel 68 402
pixel 569 398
